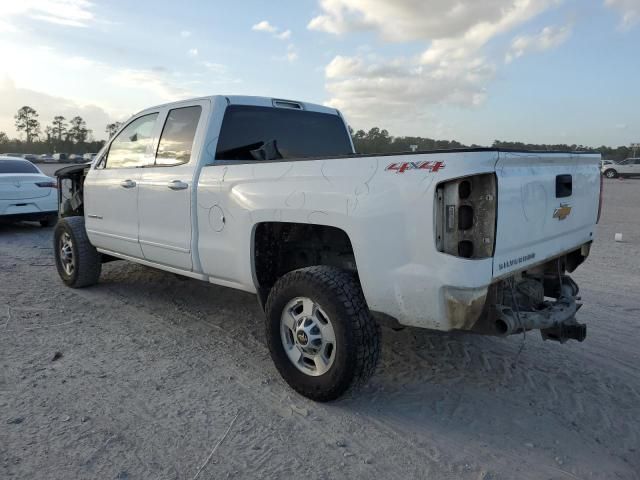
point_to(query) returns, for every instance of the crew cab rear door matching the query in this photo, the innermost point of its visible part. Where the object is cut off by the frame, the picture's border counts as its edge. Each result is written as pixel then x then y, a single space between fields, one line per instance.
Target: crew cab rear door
pixel 547 205
pixel 166 186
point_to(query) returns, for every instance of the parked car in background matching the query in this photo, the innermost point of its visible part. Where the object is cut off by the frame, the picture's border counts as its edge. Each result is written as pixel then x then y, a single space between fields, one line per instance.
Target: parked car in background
pixel 89 156
pixel 605 162
pixel 47 158
pixel 30 156
pixel 18 155
pixel 629 167
pixel 26 193
pixel 76 158
pixel 60 157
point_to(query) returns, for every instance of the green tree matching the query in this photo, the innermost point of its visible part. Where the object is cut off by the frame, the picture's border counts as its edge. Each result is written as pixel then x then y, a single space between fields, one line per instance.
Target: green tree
pixel 49 131
pixel 78 131
pixel 3 138
pixel 112 128
pixel 27 122
pixel 59 127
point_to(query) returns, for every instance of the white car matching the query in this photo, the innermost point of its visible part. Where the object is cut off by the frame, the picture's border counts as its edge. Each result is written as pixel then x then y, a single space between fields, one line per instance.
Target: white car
pixel 629 167
pixel 26 193
pixel 268 196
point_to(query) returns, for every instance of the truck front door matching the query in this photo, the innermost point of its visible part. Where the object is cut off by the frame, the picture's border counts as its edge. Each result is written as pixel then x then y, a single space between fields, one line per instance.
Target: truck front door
pixel 111 188
pixel 166 189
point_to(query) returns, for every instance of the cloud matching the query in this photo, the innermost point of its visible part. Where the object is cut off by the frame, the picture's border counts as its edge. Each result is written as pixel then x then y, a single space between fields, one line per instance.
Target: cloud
pixel 118 90
pixel 409 20
pixel 401 89
pixel 214 67
pixel 547 38
pixel 47 107
pixel 185 33
pixel 452 68
pixel 630 10
pixel 192 52
pixel 72 13
pixel 264 26
pixel 159 83
pixel 292 53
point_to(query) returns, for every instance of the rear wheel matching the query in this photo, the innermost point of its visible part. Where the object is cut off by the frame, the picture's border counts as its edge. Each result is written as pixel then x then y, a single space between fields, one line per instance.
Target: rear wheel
pixel 321 335
pixel 610 173
pixel 77 261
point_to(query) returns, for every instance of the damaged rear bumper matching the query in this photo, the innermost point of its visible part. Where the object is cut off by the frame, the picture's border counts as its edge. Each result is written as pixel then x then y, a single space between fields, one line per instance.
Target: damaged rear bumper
pixel 556 319
pixel 547 303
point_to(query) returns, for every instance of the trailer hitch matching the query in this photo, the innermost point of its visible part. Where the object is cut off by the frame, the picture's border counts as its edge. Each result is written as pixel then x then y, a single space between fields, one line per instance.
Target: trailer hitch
pixel 556 320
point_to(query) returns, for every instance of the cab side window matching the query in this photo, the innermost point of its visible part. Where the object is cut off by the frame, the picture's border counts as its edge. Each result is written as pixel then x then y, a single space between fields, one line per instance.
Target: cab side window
pixel 131 147
pixel 176 141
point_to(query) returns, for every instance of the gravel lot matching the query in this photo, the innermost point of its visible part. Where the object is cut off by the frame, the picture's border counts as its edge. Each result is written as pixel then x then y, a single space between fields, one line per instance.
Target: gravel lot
pixel 142 375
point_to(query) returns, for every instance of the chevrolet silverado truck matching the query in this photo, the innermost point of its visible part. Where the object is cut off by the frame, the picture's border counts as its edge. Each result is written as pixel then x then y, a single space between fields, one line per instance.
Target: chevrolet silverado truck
pixel 268 196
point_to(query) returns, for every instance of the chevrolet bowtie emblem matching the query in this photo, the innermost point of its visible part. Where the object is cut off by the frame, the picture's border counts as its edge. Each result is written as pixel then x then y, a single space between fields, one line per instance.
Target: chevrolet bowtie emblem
pixel 562 212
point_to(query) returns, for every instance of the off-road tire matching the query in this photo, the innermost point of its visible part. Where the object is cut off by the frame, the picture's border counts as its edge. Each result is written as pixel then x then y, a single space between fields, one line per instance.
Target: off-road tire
pixel 87 264
pixel 357 334
pixel 610 173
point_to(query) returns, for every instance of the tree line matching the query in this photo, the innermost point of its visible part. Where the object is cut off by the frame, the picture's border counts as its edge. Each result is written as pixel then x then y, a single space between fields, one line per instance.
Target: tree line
pixel 60 135
pixel 378 140
pixel 73 136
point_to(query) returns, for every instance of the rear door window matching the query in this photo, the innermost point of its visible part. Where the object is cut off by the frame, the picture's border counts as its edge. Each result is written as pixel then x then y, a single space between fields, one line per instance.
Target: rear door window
pixel 131 147
pixel 259 133
pixel 176 141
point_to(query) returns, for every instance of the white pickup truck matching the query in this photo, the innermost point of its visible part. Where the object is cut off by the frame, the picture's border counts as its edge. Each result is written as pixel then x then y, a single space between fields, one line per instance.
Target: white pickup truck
pixel 267 196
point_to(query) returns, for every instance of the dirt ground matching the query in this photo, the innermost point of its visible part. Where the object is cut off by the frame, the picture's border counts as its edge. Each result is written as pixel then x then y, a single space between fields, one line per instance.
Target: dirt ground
pixel 143 375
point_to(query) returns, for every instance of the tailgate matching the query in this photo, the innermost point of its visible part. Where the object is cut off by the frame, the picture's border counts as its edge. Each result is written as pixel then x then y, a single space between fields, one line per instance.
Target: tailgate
pixel 547 205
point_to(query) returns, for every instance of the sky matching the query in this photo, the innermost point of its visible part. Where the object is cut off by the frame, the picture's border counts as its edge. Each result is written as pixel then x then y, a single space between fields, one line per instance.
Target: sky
pixel 538 71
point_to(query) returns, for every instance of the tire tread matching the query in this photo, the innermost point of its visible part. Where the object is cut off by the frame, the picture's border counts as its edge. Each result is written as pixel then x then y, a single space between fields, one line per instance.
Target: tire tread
pixel 88 263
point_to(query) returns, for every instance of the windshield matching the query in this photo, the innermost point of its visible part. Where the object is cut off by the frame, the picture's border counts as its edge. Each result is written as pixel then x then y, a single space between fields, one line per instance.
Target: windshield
pixel 266 133
pixel 17 166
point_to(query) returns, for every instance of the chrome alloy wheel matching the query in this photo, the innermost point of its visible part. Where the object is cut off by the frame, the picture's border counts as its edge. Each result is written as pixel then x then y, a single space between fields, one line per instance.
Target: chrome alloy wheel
pixel 66 254
pixel 307 336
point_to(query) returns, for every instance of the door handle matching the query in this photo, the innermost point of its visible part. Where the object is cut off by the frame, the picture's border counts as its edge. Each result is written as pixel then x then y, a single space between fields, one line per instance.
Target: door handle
pixel 177 185
pixel 127 183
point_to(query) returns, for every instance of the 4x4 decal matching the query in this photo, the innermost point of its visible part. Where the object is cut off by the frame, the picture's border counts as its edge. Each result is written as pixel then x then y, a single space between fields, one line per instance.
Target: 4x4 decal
pixel 424 165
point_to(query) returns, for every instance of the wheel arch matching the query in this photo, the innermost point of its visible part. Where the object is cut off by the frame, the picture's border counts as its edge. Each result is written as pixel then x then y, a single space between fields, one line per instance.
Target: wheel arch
pixel 280 247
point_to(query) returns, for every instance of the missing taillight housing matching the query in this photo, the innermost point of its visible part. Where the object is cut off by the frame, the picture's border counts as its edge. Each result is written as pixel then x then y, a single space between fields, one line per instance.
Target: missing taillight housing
pixel 47 184
pixel 466 216
pixel 464 189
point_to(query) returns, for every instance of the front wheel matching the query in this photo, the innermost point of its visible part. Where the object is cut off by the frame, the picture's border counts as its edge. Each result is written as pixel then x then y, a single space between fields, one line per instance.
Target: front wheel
pixel 77 261
pixel 611 173
pixel 321 335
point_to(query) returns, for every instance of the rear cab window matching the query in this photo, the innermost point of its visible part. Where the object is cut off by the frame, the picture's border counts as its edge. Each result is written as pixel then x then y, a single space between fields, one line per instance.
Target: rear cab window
pixel 266 133
pixel 17 166
pixel 178 134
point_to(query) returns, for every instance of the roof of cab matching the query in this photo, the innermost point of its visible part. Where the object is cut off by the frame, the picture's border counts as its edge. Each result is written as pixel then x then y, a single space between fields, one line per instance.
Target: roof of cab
pixel 249 100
